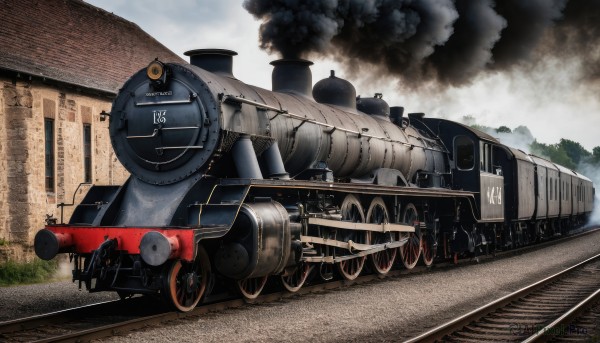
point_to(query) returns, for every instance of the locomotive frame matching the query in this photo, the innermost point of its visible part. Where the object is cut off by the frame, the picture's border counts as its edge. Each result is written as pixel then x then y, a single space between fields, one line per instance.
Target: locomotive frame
pixel 232 184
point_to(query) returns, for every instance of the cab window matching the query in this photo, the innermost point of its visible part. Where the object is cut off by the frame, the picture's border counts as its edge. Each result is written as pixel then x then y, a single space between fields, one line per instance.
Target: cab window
pixel 464 152
pixel 487 159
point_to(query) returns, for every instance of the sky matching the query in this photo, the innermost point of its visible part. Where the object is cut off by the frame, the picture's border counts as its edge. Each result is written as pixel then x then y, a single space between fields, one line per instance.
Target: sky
pixel 546 97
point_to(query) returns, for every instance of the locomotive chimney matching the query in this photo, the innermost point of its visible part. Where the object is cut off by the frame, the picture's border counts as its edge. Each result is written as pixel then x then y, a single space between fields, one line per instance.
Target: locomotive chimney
pixel 218 61
pixel 416 116
pixel 396 113
pixel 292 76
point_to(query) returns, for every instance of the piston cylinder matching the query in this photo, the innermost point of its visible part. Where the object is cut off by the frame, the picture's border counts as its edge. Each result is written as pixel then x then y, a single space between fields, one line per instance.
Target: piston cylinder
pixel 258 244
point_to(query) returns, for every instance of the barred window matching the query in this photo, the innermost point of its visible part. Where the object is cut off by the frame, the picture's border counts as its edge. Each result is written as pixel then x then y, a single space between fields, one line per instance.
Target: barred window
pixel 87 152
pixel 49 153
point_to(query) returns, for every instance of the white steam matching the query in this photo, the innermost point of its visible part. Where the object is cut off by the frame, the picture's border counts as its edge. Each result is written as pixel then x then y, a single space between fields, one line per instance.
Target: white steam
pixel 592 172
pixel 65 267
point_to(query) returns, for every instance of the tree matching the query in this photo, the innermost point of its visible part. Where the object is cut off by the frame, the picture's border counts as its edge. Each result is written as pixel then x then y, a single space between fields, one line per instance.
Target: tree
pixel 554 152
pixel 523 131
pixel 596 155
pixel 574 150
pixel 504 129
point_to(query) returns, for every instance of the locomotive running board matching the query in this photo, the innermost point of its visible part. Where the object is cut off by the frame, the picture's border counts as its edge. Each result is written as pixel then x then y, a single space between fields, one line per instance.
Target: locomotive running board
pixel 383 227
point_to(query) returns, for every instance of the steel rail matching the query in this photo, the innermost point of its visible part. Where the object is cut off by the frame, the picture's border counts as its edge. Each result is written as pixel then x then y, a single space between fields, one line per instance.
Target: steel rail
pixel 42 319
pixel 543 334
pixel 438 333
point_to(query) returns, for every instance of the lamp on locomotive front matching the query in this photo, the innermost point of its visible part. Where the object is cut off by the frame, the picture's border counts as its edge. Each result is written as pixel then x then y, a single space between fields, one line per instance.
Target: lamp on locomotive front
pixel 155 70
pixel 157 73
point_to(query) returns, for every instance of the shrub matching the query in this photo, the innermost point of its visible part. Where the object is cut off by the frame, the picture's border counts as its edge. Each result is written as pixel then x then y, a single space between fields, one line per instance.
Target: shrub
pixel 13 273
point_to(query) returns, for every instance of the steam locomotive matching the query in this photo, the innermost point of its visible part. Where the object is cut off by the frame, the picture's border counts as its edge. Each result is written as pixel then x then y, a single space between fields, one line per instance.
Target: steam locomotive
pixel 232 184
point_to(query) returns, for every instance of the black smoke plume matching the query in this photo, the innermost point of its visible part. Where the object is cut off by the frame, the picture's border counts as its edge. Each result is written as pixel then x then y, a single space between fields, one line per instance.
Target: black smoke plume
pixel 448 41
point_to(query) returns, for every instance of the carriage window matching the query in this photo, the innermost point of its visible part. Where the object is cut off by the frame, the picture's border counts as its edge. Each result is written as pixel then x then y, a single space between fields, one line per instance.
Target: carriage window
pixel 464 152
pixel 550 190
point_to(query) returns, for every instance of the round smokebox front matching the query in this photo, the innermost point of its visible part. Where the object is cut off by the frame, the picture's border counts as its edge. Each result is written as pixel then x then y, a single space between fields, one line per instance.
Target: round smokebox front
pixel 161 130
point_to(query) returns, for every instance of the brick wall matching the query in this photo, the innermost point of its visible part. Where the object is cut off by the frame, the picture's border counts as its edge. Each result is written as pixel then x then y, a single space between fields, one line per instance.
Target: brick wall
pixel 24 201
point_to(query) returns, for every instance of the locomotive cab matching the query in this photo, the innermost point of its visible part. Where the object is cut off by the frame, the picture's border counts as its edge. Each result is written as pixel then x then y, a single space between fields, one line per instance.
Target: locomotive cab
pixel 478 165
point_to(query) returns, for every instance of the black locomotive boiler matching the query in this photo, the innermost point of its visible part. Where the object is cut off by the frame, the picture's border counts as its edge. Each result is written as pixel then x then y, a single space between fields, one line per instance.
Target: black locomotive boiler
pixel 232 184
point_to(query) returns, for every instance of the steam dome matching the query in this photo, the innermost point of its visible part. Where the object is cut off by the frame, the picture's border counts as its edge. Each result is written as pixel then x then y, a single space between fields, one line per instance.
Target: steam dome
pixel 335 91
pixel 374 106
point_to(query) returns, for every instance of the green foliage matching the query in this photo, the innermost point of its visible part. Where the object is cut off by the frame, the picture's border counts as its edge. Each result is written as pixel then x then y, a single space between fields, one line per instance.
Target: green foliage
pixel 12 273
pixel 3 242
pixel 595 155
pixel 554 152
pixel 574 150
pixel 504 129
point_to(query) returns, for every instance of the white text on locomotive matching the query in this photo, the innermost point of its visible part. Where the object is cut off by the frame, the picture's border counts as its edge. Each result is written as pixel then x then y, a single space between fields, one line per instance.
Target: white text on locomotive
pixel 160 116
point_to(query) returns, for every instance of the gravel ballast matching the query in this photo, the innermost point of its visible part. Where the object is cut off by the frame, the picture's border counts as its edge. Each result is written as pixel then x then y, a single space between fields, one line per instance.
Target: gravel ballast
pixel 384 310
pixel 23 301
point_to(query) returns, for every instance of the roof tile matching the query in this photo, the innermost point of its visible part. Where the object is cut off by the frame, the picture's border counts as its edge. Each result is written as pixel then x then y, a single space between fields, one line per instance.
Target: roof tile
pixel 74 42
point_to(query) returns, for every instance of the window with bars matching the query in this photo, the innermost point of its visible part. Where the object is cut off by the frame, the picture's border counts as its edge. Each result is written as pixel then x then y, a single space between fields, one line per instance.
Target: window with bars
pixel 87 152
pixel 49 153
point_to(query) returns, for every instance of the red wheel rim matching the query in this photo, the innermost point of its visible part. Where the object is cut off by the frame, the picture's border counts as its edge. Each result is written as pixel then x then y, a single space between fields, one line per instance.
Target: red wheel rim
pixel 427 251
pixel 185 284
pixel 381 261
pixel 250 288
pixel 295 280
pixel 352 211
pixel 411 250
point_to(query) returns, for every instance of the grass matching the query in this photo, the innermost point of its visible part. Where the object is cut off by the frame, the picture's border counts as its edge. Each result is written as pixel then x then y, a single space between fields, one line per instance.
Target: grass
pixel 13 273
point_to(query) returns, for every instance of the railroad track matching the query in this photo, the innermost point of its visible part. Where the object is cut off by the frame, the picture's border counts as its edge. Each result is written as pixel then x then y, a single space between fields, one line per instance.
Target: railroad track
pixel 118 317
pixel 563 307
pixel 89 322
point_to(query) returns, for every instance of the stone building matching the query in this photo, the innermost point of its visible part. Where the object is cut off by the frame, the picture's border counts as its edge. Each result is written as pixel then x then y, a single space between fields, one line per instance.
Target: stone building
pixel 61 64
